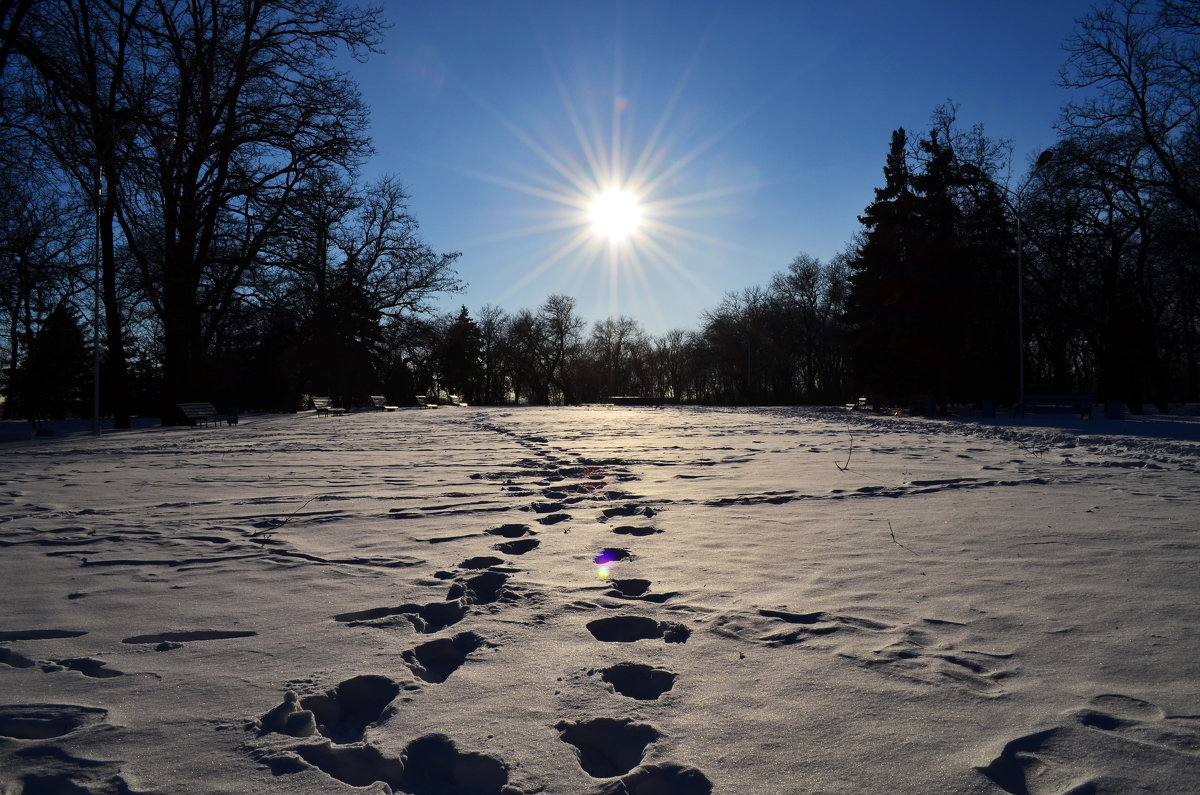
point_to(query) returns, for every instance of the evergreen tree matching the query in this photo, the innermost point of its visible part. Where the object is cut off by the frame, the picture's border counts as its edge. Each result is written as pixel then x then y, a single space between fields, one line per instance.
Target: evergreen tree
pixel 881 281
pixel 55 378
pixel 928 305
pixel 460 358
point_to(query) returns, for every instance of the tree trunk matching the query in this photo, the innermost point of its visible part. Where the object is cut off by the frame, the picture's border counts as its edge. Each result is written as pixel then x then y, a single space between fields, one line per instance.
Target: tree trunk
pixel 115 386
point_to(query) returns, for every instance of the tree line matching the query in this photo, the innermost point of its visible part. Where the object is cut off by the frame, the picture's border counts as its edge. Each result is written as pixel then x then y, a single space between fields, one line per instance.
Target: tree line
pixel 206 155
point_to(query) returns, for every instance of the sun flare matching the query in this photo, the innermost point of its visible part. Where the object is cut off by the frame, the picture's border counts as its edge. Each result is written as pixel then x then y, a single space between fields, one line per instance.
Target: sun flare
pixel 615 214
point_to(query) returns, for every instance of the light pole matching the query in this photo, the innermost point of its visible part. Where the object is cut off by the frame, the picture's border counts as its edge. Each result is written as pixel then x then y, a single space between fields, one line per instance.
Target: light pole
pixel 96 309
pixel 1042 160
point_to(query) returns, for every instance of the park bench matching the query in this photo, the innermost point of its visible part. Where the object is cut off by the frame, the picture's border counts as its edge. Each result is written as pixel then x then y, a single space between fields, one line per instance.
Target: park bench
pixel 204 413
pixel 1057 404
pixel 325 407
pixel 423 402
pixel 380 402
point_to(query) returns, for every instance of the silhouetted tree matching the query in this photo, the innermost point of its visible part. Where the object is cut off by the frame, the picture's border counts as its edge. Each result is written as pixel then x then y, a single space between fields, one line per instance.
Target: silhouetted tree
pixel 1100 282
pixel 349 261
pixel 563 330
pixel 492 326
pixel 929 300
pixel 54 379
pixel 460 353
pixel 40 236
pixel 881 285
pixel 526 360
pixel 614 350
pixel 1136 61
pixel 246 107
pixel 84 82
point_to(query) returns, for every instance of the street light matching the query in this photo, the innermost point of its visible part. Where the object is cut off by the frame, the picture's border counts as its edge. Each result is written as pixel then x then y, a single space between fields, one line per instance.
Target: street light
pixel 96 309
pixel 1042 160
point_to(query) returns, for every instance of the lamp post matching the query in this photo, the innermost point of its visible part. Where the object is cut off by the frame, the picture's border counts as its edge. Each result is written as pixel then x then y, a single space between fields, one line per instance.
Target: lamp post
pixel 96 309
pixel 1042 160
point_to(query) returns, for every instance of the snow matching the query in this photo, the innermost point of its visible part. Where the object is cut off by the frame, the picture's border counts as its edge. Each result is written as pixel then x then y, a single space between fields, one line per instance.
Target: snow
pixel 421 601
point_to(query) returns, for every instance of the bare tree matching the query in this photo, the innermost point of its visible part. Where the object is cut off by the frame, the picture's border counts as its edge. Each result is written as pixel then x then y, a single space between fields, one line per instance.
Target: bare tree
pixel 247 107
pixel 492 323
pixel 801 289
pixel 564 339
pixel 81 81
pixel 611 344
pixel 1137 59
pixel 524 344
pixel 39 234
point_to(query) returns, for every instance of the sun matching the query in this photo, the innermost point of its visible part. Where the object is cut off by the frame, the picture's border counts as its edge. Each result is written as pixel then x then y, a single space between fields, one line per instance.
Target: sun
pixel 615 214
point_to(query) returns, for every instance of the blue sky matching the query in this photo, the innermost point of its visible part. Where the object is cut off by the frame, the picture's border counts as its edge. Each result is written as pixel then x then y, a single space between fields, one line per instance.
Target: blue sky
pixel 750 131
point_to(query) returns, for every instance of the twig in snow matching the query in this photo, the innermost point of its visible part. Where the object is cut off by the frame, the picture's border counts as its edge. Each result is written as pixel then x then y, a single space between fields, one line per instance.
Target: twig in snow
pixel 273 528
pixel 1027 449
pixel 849 453
pixel 893 534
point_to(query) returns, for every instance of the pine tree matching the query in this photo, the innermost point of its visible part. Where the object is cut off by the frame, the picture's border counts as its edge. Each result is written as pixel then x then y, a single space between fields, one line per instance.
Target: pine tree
pixel 928 302
pixel 461 357
pixel 881 281
pixel 55 378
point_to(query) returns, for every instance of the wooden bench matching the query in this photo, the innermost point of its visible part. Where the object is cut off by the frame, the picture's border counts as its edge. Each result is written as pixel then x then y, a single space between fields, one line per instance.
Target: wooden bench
pixel 204 413
pixel 325 407
pixel 1057 404
pixel 423 402
pixel 380 402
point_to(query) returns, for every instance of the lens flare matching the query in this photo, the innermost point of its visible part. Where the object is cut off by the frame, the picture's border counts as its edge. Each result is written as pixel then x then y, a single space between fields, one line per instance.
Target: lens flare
pixel 604 562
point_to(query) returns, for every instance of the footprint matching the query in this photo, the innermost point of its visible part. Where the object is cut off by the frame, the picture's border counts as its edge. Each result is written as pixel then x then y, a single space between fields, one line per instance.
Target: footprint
pixel 184 637
pixel 39 634
pixel 923 657
pixel 1116 744
pixel 1113 710
pixel 518 547
pixel 436 660
pixel 88 667
pixel 627 629
pixel 46 721
pixel 509 530
pixel 554 518
pixel 356 765
pixel 1140 721
pixel 660 779
pixel 637 589
pixel 426 619
pixel 613 554
pixel 776 627
pixel 13 659
pixel 628 509
pixel 343 714
pixel 481 562
pixel 635 680
pixel 483 588
pixel 608 747
pixel 50 769
pixel 632 530
pixel 434 766
pixel 630 587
